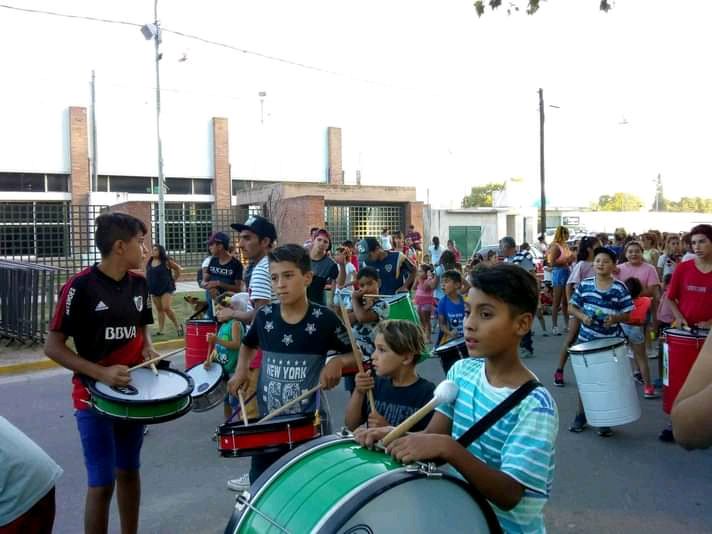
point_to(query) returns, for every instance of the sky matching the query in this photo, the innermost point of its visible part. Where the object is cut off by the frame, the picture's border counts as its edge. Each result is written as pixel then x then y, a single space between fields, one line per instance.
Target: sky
pixel 427 94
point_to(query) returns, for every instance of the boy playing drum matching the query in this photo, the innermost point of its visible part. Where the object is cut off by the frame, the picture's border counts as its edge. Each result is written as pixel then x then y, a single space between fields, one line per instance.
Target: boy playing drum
pixel 512 463
pixel 106 309
pixel 294 337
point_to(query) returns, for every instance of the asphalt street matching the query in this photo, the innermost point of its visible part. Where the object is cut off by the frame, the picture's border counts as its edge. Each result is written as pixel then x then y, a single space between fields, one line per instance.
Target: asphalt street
pixel 628 483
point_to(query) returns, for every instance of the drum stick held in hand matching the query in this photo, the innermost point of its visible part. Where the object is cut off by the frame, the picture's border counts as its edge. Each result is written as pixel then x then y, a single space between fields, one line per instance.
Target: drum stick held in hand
pixel 445 393
pixel 156 359
pixel 357 355
pixel 289 404
pixel 243 410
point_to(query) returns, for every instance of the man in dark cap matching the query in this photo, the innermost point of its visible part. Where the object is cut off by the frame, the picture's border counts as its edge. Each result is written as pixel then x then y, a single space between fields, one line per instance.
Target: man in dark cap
pixel 395 269
pixel 324 268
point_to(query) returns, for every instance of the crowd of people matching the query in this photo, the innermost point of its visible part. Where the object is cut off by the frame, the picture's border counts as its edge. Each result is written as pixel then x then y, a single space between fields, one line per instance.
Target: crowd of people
pixel 287 333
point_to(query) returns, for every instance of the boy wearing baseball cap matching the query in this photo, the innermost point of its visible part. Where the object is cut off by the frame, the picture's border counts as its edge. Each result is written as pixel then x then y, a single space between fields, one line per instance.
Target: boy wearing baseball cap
pixel 223 273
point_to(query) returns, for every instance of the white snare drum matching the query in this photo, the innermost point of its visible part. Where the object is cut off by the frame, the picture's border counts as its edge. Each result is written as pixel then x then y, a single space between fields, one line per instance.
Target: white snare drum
pixel 210 386
pixel 605 382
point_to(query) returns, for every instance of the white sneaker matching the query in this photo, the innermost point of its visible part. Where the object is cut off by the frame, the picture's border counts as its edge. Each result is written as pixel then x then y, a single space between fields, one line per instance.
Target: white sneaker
pixel 241 483
pixel 555 331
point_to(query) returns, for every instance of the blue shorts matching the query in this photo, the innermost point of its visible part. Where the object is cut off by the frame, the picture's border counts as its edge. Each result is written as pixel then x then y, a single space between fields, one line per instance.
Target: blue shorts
pixel 108 445
pixel 559 276
pixel 634 333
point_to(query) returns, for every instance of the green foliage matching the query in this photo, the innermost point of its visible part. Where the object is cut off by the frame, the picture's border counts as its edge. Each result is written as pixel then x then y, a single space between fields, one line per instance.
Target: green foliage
pixel 689 204
pixel 532 6
pixel 482 196
pixel 618 202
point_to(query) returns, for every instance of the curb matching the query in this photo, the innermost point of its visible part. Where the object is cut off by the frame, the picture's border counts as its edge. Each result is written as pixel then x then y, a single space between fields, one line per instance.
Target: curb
pixel 45 363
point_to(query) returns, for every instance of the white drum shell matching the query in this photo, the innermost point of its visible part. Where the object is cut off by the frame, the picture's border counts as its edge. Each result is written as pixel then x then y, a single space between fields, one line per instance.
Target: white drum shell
pixel 606 386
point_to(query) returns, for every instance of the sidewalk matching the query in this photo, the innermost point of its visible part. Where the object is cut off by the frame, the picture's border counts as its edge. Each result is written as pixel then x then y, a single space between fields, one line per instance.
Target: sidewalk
pixel 19 359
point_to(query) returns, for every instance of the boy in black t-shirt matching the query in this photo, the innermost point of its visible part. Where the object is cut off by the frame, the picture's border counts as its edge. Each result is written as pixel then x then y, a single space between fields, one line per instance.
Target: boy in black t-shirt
pixel 398 390
pixel 223 273
pixel 106 309
pixel 294 337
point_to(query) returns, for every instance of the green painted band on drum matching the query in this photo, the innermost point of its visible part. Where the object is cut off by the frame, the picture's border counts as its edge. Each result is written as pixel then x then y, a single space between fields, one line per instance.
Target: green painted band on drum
pixel 306 490
pixel 140 411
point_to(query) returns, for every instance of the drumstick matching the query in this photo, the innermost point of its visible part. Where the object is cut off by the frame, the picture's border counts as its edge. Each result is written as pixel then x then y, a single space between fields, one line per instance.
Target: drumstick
pixel 243 410
pixel 154 369
pixel 154 360
pixel 357 355
pixel 289 404
pixel 446 392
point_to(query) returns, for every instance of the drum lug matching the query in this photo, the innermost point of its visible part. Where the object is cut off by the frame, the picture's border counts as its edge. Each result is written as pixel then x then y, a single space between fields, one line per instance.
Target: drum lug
pixel 242 500
pixel 344 433
pixel 430 470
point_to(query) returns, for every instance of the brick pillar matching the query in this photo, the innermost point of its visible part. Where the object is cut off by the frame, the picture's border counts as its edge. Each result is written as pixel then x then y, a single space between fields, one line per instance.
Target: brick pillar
pixel 296 216
pixel 79 155
pixel 222 185
pixel 79 184
pixel 335 170
pixel 414 215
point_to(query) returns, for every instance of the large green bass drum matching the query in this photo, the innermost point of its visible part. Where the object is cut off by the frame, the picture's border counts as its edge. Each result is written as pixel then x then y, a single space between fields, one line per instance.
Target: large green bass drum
pixel 333 485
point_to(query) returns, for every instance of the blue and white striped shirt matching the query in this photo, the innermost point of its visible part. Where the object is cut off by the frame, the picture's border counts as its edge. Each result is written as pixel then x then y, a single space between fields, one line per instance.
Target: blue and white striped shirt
pixel 521 444
pixel 599 304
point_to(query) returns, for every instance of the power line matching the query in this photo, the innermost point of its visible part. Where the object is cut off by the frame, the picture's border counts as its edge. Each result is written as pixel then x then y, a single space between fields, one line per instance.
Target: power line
pixel 220 44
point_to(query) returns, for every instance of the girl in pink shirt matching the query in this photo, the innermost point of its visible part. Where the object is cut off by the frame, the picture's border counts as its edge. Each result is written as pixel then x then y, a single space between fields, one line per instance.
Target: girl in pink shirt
pixel 425 283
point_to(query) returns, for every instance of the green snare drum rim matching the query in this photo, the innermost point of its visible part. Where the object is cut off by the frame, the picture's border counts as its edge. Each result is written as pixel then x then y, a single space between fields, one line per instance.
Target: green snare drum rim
pixel 300 494
pixel 149 411
pixel 157 412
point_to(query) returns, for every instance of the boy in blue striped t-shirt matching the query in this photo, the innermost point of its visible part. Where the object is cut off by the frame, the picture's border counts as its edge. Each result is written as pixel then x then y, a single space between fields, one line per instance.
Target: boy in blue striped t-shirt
pixel 512 463
pixel 600 303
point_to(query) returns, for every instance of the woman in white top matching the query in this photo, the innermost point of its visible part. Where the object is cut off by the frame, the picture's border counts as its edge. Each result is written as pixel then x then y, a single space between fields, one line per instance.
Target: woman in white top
pixel 386 240
pixel 435 251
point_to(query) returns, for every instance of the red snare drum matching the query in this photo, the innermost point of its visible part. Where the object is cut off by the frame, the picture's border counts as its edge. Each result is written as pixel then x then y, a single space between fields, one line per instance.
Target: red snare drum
pixel 279 434
pixel 351 371
pixel 680 353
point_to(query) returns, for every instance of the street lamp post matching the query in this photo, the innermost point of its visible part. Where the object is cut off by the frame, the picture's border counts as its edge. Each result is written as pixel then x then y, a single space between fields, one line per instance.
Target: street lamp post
pixel 542 200
pixel 153 31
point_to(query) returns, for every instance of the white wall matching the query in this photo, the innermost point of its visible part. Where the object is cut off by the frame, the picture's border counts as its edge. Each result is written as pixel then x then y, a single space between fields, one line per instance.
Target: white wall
pixel 638 222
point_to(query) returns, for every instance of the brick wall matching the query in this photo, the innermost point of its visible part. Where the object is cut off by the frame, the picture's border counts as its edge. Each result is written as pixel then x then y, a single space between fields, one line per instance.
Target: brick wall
pixel 222 186
pixel 296 216
pixel 414 215
pixel 335 170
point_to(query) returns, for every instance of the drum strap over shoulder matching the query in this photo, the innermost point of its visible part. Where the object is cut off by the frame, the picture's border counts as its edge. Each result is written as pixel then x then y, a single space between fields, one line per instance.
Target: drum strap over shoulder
pixel 499 411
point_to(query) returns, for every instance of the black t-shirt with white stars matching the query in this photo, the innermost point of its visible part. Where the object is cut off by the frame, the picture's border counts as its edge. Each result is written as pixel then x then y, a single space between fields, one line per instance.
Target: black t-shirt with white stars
pixel 293 355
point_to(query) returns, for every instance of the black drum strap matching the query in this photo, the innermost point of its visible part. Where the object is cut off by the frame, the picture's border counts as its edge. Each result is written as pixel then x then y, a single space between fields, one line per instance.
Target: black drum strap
pixel 499 411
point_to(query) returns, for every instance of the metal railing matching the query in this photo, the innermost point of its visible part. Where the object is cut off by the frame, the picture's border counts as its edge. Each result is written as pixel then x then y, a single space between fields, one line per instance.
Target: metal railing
pixel 27 300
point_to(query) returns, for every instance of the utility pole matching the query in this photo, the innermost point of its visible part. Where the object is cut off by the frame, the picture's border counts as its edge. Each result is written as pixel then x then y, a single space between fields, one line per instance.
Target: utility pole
pixel 153 31
pixel 542 222
pixel 161 181
pixel 95 159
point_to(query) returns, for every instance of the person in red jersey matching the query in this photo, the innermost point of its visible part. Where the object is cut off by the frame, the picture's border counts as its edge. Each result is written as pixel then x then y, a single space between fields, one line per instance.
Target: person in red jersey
pixel 106 309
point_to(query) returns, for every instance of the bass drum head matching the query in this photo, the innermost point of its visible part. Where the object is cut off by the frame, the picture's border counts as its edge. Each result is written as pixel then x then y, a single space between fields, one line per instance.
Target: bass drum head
pixel 146 387
pixel 456 345
pixel 597 345
pixel 204 379
pixel 449 502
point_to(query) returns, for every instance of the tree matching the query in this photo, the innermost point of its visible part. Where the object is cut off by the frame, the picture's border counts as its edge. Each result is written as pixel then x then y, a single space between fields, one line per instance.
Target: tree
pixel 618 202
pixel 532 6
pixel 690 204
pixel 482 196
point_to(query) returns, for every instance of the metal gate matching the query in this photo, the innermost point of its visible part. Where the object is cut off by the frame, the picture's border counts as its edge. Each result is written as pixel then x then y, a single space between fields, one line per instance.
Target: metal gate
pixel 357 222
pixel 467 239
